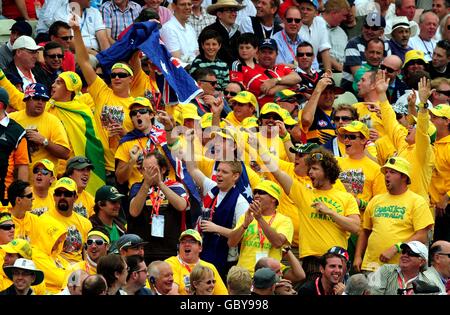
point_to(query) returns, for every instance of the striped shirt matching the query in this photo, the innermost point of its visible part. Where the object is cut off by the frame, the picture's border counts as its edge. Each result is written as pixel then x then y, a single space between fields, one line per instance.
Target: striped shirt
pixel 200 22
pixel 117 20
pixel 220 68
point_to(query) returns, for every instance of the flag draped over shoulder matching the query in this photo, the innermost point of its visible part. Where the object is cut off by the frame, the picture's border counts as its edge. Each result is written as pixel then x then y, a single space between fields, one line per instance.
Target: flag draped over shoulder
pixel 145 37
pixel 79 123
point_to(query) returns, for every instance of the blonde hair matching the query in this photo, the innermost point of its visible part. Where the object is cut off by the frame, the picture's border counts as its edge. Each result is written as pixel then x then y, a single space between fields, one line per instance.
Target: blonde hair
pixel 239 281
pixel 197 274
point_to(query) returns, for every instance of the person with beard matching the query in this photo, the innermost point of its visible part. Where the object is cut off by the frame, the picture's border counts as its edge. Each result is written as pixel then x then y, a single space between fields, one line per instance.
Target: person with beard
pixel 188 257
pixel 96 246
pixel 328 283
pixel 399 215
pixel 77 226
pixel 160 277
pixel 20 196
pixel 43 178
pixel 326 214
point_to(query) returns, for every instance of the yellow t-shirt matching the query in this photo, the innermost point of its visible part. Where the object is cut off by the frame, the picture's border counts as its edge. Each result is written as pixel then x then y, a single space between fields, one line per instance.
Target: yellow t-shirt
pixel 181 275
pixel 275 146
pixel 363 176
pixel 231 118
pixel 27 227
pixel 77 229
pixel 318 232
pixel 369 118
pixel 110 108
pixel 440 180
pixel 84 205
pixel 49 126
pixel 41 205
pixel 392 219
pixel 251 248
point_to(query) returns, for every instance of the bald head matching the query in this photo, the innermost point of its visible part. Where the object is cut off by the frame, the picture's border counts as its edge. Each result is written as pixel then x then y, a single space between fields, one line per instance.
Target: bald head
pixel 75 281
pixel 440 257
pixel 394 63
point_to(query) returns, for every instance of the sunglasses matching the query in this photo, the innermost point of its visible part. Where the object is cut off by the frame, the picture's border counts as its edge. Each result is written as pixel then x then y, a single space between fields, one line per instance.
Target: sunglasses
pixel 410 253
pixel 271 116
pixel 296 20
pixel 446 93
pixel 317 156
pixel 29 196
pixel 7 227
pixel 301 54
pixel 387 69
pixel 65 193
pixel 259 192
pixel 342 118
pixel 39 98
pixel 43 171
pixel 230 10
pixel 415 62
pixel 81 160
pixel 213 83
pixel 373 28
pixel 66 38
pixel 97 242
pixel 226 93
pixel 350 137
pixel 121 75
pixel 141 111
pixel 54 56
pixel 209 282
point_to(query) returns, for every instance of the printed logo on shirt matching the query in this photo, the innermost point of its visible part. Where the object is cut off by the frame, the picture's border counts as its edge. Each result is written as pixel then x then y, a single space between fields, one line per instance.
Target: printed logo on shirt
pixel 353 180
pixel 322 123
pixel 39 211
pixel 80 209
pixel 112 114
pixel 73 241
pixel 330 203
pixel 390 212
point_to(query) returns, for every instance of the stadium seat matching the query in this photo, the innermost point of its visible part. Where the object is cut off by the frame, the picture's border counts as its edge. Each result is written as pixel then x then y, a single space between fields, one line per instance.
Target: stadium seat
pixel 5 25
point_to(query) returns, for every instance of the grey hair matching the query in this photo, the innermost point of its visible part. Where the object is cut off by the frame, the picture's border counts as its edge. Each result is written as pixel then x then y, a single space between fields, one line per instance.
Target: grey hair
pixel 357 284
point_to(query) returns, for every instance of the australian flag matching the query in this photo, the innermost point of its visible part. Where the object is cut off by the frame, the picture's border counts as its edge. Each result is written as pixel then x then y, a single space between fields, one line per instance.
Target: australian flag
pixel 145 37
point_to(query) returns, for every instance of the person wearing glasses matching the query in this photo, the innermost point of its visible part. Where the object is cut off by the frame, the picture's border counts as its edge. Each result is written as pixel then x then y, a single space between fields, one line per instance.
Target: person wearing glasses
pixel 397 216
pixel 21 198
pixel 398 278
pixel 441 57
pixel 342 115
pixel 310 77
pixel 231 90
pixel 96 246
pixel 288 38
pixel 188 257
pixel 137 276
pixel 61 33
pixel 52 65
pixel 392 65
pixel 76 226
pixel 202 281
pixel 7 228
pixel 439 269
pixel 440 91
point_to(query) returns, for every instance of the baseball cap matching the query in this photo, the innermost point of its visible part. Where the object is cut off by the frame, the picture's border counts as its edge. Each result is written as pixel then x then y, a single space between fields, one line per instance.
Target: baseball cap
pixel 250 122
pixel 269 43
pixel 123 66
pixel 26 42
pixel 72 80
pixel 18 246
pixel 130 240
pixel 189 111
pixel 244 97
pixel 284 95
pixel 271 188
pixel 339 251
pixel 315 3
pixel 78 162
pixel 270 108
pixel 107 192
pixel 304 148
pixel 337 89
pixel 36 90
pixel 287 118
pixel 226 134
pixel 25 264
pixel 143 101
pixel 356 126
pixel 441 110
pixel 417 247
pixel 4 96
pixel 206 120
pixel 67 183
pixel 264 278
pixel 375 19
pixel 414 55
pixel 193 233
pixel 399 164
pixel 22 27
pixel 46 163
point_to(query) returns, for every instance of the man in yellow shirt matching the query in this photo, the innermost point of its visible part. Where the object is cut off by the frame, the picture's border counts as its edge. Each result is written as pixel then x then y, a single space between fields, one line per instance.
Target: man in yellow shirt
pixel 46 136
pixel 262 230
pixel 187 258
pixel 43 178
pixel 397 216
pixel 77 226
pixel 244 105
pixel 440 180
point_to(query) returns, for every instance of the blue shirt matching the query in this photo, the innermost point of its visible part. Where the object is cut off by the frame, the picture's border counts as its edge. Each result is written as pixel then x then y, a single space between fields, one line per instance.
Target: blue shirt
pixel 287 49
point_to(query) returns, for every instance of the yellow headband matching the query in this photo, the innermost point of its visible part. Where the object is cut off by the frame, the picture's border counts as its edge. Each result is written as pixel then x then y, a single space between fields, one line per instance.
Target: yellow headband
pixel 102 235
pixel 5 218
pixel 122 66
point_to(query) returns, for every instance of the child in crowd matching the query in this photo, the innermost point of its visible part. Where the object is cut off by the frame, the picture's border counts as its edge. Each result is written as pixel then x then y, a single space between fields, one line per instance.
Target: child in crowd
pixel 247 49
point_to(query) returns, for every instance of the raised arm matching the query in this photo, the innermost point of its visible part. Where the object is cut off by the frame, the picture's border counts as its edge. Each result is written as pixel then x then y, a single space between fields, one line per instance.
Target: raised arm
pixel 191 165
pixel 311 106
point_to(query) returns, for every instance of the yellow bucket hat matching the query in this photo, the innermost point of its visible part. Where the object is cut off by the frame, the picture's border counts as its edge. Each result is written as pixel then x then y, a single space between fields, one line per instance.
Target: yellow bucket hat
pixel 189 111
pixel 356 126
pixel 72 80
pixel 123 66
pixel 47 164
pixel 271 188
pixel 399 164
pixel 414 55
pixel 67 183
pixel 441 110
pixel 18 246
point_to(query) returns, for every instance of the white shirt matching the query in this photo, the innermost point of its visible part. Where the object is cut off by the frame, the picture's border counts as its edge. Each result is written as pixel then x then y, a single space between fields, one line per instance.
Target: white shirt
pixel 317 36
pixel 91 21
pixel 427 47
pixel 52 10
pixel 176 37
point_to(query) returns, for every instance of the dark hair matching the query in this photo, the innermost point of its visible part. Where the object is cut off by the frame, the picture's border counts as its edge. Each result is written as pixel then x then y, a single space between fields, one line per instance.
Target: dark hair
pixel 375 41
pixel 247 38
pixel 16 189
pixel 444 44
pixel 52 45
pixel 324 258
pixel 108 266
pixel 146 15
pixel 161 160
pixel 93 285
pixel 202 73
pixel 54 28
pixel 413 78
pixel 133 262
pixel 328 163
pixel 205 35
pixel 433 251
pixel 305 44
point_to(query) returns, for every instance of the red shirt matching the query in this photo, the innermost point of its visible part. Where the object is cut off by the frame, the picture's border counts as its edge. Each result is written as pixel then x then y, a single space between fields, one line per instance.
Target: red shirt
pixel 68 63
pixel 253 79
pixel 11 12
